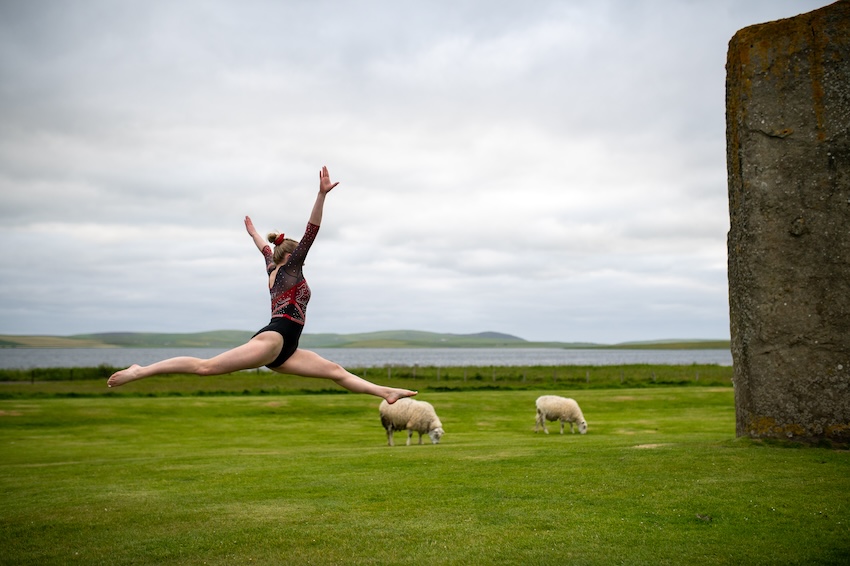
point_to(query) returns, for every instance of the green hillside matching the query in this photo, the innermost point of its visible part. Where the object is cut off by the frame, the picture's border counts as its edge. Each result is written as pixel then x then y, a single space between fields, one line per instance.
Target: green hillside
pixel 672 345
pixel 383 339
pixel 212 339
pixel 410 339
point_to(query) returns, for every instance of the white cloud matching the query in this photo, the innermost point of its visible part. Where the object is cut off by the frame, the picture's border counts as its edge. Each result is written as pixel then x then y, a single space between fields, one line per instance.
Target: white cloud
pixel 554 170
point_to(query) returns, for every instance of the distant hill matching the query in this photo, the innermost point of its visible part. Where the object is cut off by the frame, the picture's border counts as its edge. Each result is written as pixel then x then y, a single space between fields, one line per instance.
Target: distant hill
pixel 673 345
pixel 212 339
pixel 231 338
pixel 383 339
pixel 410 339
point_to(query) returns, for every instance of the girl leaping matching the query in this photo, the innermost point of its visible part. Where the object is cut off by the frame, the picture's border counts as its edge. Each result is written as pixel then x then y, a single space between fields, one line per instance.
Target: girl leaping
pixel 276 345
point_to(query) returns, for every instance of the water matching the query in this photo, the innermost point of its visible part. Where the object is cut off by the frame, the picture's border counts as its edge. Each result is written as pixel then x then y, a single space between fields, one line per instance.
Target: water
pixel 26 358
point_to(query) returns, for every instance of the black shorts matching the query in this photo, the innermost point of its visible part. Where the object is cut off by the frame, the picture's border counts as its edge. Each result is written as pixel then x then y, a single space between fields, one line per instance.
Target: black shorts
pixel 291 333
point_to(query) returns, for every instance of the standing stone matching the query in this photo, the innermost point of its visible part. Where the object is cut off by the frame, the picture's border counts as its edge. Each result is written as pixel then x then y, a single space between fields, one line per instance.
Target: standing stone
pixel 788 160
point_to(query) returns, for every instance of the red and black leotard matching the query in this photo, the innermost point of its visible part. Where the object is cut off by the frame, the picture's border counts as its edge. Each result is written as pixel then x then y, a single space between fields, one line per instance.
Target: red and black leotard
pixel 289 296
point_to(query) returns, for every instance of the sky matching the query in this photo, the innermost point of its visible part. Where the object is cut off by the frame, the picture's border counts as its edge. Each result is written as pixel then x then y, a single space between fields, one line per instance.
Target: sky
pixel 554 170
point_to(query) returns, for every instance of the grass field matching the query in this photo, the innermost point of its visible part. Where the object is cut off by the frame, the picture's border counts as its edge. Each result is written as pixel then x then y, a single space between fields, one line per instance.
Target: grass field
pixel 308 479
pixel 91 381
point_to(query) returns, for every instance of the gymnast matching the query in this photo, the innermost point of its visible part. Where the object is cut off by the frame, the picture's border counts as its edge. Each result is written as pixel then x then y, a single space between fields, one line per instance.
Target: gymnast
pixel 276 345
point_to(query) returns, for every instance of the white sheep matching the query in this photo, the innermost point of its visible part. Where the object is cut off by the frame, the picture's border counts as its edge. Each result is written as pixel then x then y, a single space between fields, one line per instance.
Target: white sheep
pixel 412 415
pixel 556 408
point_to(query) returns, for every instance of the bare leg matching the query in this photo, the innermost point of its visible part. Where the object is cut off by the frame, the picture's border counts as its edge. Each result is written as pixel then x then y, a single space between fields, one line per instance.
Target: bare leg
pixel 259 351
pixel 310 364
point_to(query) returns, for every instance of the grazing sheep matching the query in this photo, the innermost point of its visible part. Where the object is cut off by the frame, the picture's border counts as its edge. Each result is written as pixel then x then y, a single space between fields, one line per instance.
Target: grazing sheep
pixel 555 408
pixel 412 415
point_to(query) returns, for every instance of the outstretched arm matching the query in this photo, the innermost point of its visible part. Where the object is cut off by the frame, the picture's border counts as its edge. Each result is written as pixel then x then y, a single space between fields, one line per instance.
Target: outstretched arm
pixel 258 240
pixel 325 186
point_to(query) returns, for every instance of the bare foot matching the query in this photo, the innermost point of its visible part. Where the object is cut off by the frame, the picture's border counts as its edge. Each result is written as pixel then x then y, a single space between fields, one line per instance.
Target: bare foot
pixel 395 394
pixel 124 376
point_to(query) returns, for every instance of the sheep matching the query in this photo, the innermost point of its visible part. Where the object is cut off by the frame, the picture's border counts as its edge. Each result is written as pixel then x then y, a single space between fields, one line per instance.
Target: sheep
pixel 412 415
pixel 556 408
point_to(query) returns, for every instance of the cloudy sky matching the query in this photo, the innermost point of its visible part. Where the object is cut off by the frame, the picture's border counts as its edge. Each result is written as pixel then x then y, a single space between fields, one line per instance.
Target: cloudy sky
pixel 550 169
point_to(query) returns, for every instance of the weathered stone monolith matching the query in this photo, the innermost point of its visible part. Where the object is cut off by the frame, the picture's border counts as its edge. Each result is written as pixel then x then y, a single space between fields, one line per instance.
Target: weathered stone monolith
pixel 788 159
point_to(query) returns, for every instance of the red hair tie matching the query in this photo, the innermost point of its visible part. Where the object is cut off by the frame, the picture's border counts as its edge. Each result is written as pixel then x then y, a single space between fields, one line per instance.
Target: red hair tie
pixel 279 240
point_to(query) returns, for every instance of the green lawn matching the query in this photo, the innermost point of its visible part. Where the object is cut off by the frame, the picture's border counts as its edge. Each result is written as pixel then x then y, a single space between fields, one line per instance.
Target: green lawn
pixel 308 479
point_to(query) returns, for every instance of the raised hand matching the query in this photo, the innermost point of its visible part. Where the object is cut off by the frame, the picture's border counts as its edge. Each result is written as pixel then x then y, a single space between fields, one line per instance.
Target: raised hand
pixel 325 184
pixel 250 226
